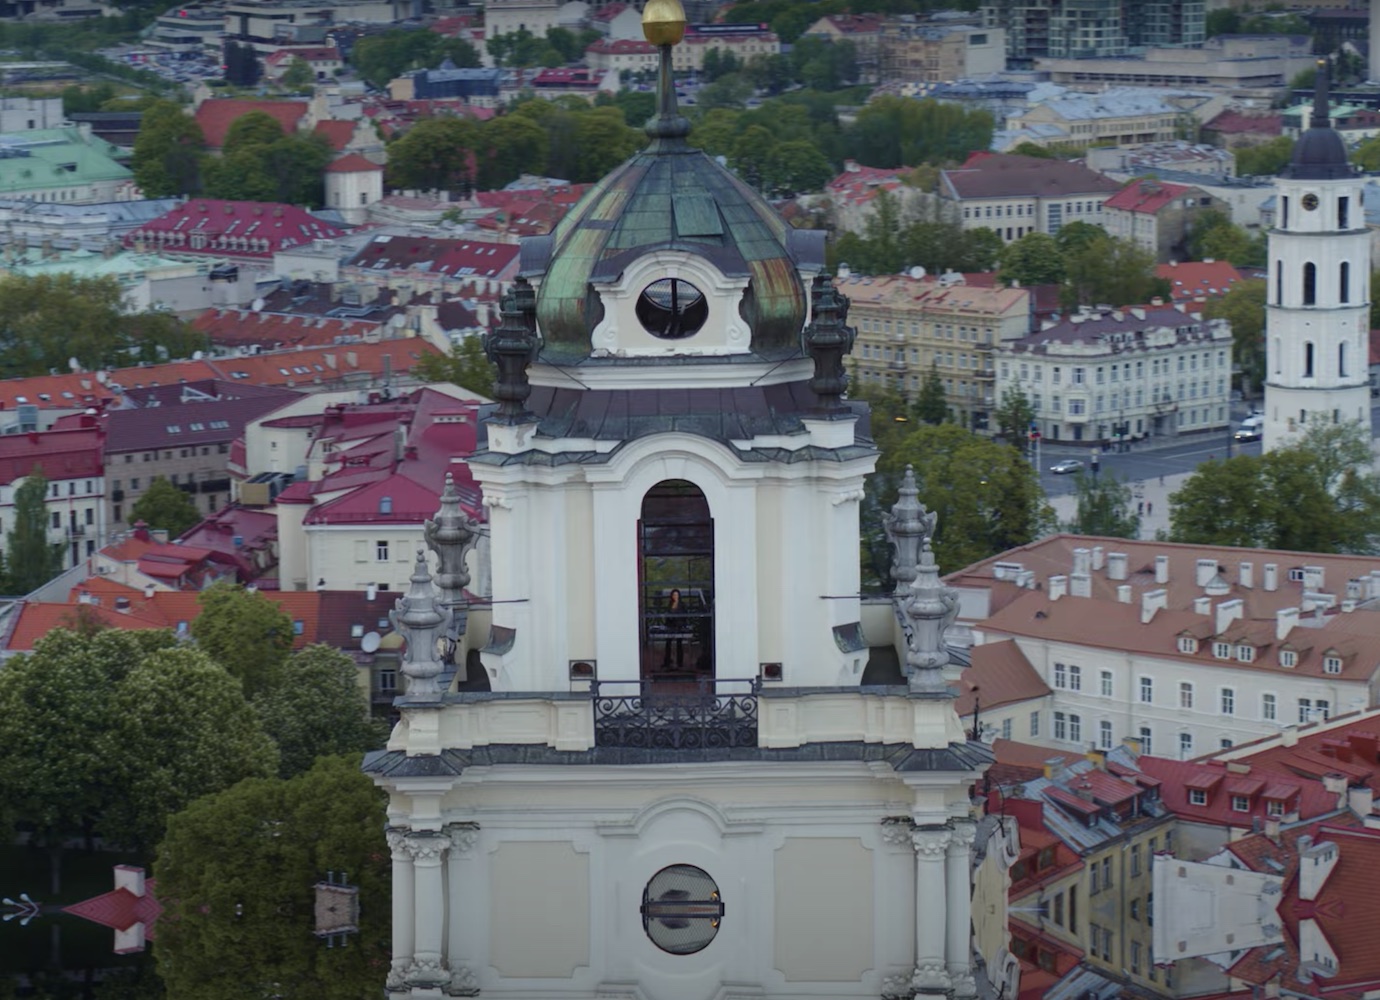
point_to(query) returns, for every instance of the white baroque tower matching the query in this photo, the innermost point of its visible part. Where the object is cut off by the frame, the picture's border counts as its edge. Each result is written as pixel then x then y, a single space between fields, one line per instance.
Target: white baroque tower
pixel 650 768
pixel 1318 306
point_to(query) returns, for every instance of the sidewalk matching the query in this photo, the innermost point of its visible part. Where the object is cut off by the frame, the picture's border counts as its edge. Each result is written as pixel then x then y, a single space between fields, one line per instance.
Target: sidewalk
pixel 1149 492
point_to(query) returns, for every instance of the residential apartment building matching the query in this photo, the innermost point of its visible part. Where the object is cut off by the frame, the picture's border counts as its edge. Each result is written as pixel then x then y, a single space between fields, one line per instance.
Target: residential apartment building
pixel 1157 216
pixel 915 51
pixel 1185 649
pixel 906 324
pixel 1131 373
pixel 862 30
pixel 1121 117
pixel 745 41
pixel 71 462
pixel 1014 195
pixel 63 165
pixel 1094 28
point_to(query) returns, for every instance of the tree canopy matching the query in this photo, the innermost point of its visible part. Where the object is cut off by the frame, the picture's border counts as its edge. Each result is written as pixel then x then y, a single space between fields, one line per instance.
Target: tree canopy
pixel 30 559
pixel 165 506
pixel 1265 159
pixel 389 54
pixel 1244 308
pixel 1318 494
pixel 1104 507
pixel 893 241
pixel 1092 267
pixel 259 162
pixel 466 365
pixel 244 632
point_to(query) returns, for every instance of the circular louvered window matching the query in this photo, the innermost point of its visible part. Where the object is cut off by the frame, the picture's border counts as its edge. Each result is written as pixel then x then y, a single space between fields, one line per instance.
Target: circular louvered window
pixel 672 309
pixel 681 909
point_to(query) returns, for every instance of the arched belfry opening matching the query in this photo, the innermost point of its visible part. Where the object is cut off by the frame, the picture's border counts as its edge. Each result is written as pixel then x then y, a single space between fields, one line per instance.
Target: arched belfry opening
pixel 675 554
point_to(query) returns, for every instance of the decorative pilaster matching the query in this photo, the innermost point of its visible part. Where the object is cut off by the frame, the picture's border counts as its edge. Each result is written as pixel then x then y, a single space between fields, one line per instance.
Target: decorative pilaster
pixel 404 909
pixel 451 534
pixel 460 875
pixel 429 913
pixel 931 905
pixel 420 621
pixel 958 949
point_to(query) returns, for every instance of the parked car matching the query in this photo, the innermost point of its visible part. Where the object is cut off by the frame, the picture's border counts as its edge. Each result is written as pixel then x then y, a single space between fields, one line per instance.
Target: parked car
pixel 1066 466
pixel 1251 434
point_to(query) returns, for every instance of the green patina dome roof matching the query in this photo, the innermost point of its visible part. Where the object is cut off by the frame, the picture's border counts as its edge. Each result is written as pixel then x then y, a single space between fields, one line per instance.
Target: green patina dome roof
pixel 672 196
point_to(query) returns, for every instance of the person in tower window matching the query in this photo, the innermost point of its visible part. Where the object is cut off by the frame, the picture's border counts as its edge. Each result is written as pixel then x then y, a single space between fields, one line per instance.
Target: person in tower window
pixel 675 624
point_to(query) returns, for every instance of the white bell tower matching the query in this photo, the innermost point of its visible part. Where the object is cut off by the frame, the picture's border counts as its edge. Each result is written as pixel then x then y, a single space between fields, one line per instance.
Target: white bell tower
pixel 1318 306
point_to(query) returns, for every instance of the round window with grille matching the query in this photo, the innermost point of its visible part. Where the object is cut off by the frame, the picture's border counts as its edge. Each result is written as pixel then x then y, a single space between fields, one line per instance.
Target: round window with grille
pixel 681 909
pixel 672 309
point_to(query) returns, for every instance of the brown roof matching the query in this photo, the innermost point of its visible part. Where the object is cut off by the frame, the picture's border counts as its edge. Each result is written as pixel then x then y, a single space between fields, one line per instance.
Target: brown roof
pixel 1008 175
pixel 1000 675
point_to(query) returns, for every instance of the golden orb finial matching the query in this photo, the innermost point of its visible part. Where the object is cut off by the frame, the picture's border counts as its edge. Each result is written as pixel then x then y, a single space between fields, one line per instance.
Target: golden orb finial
pixel 663 22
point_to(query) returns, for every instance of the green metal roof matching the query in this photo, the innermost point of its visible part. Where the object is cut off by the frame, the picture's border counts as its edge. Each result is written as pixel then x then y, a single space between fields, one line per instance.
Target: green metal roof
pixel 55 157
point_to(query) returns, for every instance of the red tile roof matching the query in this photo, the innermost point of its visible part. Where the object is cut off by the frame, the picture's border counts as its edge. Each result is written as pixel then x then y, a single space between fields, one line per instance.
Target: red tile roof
pixel 338 133
pixel 217 115
pixel 455 257
pixel 327 365
pixel 352 163
pixel 309 53
pixel 621 46
pixel 856 24
pixel 1236 123
pixel 607 12
pixel 1146 197
pixel 1179 776
pixel 240 328
pixel 1194 279
pixel 1009 175
pixel 58 454
pixel 1348 746
pixel 241 229
pixel 120 909
pixel 1000 675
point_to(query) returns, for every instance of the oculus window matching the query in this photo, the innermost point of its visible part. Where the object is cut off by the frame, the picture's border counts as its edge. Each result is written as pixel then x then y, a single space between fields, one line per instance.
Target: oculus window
pixel 682 909
pixel 672 309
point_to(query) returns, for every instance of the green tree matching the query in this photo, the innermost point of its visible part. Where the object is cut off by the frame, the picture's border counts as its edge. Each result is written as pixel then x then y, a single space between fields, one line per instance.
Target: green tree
pixel 31 560
pixel 181 729
pixel 1244 308
pixel 1014 415
pixel 931 404
pixel 1318 494
pixel 314 707
pixel 510 146
pixel 436 153
pixel 1034 259
pixel 1076 236
pixel 795 167
pixel 604 141
pixel 259 162
pixel 729 91
pixel 249 131
pixel 466 365
pixel 298 76
pixel 168 152
pixel 1265 159
pixel 165 506
pixel 235 872
pixel 518 49
pixel 895 131
pixel 1105 508
pixel 1112 271
pixel 244 632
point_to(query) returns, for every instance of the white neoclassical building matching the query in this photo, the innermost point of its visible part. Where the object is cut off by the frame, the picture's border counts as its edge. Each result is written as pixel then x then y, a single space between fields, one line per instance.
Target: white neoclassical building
pixel 1318 312
pixel 651 766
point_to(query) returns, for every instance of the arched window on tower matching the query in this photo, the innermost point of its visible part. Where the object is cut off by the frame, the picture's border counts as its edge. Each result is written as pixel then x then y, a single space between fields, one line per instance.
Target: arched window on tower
pixel 1279 355
pixel 1310 283
pixel 1279 282
pixel 1308 359
pixel 1343 212
pixel 1344 281
pixel 676 536
pixel 1284 212
pixel 1341 359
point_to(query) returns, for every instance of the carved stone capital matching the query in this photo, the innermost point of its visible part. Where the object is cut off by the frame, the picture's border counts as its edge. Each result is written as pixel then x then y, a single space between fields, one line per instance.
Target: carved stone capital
pixel 964 985
pixel 964 833
pixel 897 987
pixel 463 982
pixel 931 977
pixel 930 844
pixel 397 844
pixel 426 848
pixel 397 975
pixel 896 831
pixel 463 836
pixel 427 972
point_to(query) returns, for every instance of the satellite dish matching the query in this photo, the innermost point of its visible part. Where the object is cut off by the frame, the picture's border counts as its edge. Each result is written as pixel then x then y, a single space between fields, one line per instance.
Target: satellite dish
pixel 102 377
pixel 74 364
pixel 397 321
pixel 917 272
pixel 257 305
pixel 370 642
pixel 198 355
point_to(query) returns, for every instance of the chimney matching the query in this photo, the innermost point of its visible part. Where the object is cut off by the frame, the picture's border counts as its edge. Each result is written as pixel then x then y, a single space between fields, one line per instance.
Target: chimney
pixel 1202 605
pixel 160 535
pixel 141 530
pixel 1082 560
pixel 1116 565
pixel 148 591
pixel 1271 576
pixel 1361 799
pixel 1228 612
pixel 1313 578
pixel 1150 602
pixel 1080 585
pixel 1058 587
pixel 1203 572
pixel 1285 620
pixel 1123 593
pixel 1290 736
pixel 1247 575
pixel 1334 783
pixel 371 592
pixel 1272 828
pixel 1161 569
pixel 1097 560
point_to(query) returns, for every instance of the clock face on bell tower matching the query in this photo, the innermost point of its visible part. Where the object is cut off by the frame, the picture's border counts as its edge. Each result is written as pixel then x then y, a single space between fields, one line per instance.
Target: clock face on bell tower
pixel 1310 201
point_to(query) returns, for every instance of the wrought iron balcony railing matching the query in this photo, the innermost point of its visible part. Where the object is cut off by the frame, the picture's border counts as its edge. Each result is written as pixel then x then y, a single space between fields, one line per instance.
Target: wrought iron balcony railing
pixel 702 714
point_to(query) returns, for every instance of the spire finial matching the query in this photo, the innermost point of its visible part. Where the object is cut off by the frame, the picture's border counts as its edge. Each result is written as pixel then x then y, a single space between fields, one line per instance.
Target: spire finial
pixel 827 339
pixel 1322 117
pixel 663 24
pixel 416 616
pixel 512 348
pixel 451 534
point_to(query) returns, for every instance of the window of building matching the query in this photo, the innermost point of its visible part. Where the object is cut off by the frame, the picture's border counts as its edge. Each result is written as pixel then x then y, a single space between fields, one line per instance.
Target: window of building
pixel 381 550
pixel 1185 694
pixel 1075 728
pixel 1147 690
pixel 1135 958
pixel 1188 644
pixel 1245 653
pixel 1075 678
pixel 1221 650
pixel 1228 701
pixel 1308 359
pixel 1135 906
pixel 1104 683
pixel 1268 707
pixel 1060 676
pixel 1061 726
pixel 1344 282
pixel 1147 743
pixel 1059 910
pixel 1274 808
pixel 1185 745
pixel 1305 709
pixel 1135 861
pixel 57 520
pixel 1104 734
pixel 1006 729
pixel 1035 723
pixel 1240 803
pixel 1332 664
pixel 1197 797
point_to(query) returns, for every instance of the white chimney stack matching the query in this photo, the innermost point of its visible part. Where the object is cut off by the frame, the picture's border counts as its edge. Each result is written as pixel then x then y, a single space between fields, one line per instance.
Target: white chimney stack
pixel 1080 585
pixel 1097 557
pixel 1285 620
pixel 1116 565
pixel 1161 569
pixel 1082 560
pixel 1202 605
pixel 1204 570
pixel 1228 612
pixel 1248 575
pixel 1271 576
pixel 1123 593
pixel 1313 578
pixel 1058 587
pixel 1150 602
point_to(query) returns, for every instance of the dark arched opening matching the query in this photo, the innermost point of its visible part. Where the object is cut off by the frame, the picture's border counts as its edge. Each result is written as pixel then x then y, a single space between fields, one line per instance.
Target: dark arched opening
pixel 676 576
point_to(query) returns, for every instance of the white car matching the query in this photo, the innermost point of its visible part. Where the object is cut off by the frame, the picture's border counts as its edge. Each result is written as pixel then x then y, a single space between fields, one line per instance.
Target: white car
pixel 1065 467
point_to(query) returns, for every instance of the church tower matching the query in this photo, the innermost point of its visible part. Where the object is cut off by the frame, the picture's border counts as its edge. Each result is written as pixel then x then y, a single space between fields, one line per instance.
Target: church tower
pixel 1318 305
pixel 647 764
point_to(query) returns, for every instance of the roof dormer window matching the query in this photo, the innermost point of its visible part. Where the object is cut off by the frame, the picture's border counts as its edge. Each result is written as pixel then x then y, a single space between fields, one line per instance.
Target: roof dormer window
pixel 1197 797
pixel 1188 644
pixel 1221 650
pixel 1332 663
pixel 1245 653
pixel 1288 658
